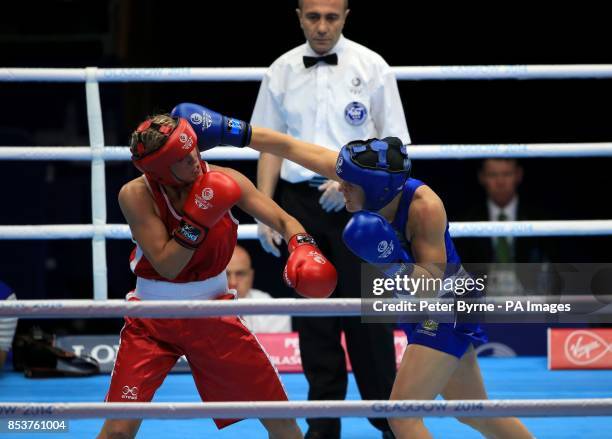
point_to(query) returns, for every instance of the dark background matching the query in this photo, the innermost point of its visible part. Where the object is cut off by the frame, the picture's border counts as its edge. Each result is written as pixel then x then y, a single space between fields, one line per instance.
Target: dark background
pixel 134 33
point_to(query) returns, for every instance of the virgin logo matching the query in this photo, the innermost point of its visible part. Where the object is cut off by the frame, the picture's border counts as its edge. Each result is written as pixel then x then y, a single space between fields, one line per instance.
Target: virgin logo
pixel 585 347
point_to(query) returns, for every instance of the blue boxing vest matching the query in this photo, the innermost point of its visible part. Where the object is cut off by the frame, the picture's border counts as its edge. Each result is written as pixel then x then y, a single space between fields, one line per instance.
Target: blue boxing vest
pixel 453 338
pixel 401 217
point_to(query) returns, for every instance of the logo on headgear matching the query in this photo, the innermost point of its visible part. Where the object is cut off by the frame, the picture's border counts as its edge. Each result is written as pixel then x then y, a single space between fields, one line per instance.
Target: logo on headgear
pixel 129 392
pixel 355 113
pixel 185 140
pixel 385 248
pixel 339 164
pixel 202 201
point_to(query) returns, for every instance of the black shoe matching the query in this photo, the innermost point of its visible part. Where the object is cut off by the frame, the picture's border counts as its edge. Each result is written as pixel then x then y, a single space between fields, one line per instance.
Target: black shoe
pixel 388 435
pixel 317 434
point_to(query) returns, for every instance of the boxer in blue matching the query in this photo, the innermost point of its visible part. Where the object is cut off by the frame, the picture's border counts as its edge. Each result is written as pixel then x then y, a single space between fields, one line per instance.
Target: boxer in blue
pixel 388 205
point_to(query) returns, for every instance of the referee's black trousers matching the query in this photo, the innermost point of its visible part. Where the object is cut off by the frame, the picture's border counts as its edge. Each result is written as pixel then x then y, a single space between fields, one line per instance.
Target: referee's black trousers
pixel 370 346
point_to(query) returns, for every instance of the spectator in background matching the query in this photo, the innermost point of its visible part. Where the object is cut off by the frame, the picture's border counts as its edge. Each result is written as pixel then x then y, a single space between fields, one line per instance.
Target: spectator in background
pixel 240 277
pixel 329 91
pixel 500 179
pixel 7 325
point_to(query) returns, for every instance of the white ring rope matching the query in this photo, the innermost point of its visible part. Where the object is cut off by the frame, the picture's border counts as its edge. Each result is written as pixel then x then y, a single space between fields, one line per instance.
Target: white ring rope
pixel 530 228
pixel 176 308
pixel 311 409
pixel 249 231
pixel 583 304
pixel 413 73
pixel 419 152
pixel 86 231
pixel 122 153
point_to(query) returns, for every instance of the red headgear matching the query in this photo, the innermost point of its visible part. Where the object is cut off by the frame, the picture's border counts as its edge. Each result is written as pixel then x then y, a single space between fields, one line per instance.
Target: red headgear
pixel 180 141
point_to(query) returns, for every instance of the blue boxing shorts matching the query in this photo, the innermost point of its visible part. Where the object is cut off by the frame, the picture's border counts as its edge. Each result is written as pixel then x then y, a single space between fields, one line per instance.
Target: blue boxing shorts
pixel 452 338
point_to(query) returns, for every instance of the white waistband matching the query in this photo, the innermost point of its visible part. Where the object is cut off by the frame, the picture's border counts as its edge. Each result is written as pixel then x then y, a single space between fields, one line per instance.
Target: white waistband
pixel 148 289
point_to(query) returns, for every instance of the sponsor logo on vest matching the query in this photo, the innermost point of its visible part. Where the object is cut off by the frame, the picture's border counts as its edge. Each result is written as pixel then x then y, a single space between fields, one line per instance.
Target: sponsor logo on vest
pixel 430 325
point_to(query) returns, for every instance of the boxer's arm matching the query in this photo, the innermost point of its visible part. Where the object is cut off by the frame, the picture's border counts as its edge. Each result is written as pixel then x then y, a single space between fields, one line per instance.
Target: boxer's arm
pixel 214 129
pixel 211 196
pixel 426 227
pixel 314 157
pixel 370 237
pixel 268 173
pixel 263 208
pixel 307 271
pixel 164 253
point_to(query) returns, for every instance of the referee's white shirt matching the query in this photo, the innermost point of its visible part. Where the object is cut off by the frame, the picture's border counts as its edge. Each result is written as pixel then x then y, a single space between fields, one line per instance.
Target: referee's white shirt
pixel 265 323
pixel 325 104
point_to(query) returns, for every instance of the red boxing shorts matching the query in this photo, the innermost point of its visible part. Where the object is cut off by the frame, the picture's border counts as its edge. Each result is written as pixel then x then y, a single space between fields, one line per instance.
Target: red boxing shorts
pixel 227 362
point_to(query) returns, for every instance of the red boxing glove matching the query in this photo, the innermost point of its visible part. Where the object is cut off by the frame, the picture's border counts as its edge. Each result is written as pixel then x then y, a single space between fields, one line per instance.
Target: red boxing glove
pixel 307 270
pixel 211 195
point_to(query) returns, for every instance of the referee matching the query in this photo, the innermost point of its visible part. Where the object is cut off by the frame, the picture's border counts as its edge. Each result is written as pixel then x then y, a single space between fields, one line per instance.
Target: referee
pixel 329 91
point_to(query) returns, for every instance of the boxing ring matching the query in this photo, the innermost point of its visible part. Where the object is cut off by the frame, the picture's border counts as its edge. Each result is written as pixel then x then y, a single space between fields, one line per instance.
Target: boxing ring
pixel 556 402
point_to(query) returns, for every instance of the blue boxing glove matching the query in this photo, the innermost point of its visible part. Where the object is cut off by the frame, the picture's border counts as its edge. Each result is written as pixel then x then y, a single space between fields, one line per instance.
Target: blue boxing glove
pixel 371 238
pixel 212 128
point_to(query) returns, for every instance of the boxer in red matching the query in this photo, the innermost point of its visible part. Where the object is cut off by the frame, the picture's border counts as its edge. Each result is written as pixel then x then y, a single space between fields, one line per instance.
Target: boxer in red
pixel 180 219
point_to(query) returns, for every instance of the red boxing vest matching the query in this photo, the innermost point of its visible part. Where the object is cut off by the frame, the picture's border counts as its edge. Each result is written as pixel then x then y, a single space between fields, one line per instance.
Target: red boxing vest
pixel 209 259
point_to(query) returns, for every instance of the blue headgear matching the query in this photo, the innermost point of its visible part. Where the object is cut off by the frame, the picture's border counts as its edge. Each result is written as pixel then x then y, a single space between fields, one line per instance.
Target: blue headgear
pixel 380 183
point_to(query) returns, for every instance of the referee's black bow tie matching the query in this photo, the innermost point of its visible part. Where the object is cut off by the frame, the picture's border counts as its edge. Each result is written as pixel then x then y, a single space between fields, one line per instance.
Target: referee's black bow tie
pixel 310 61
